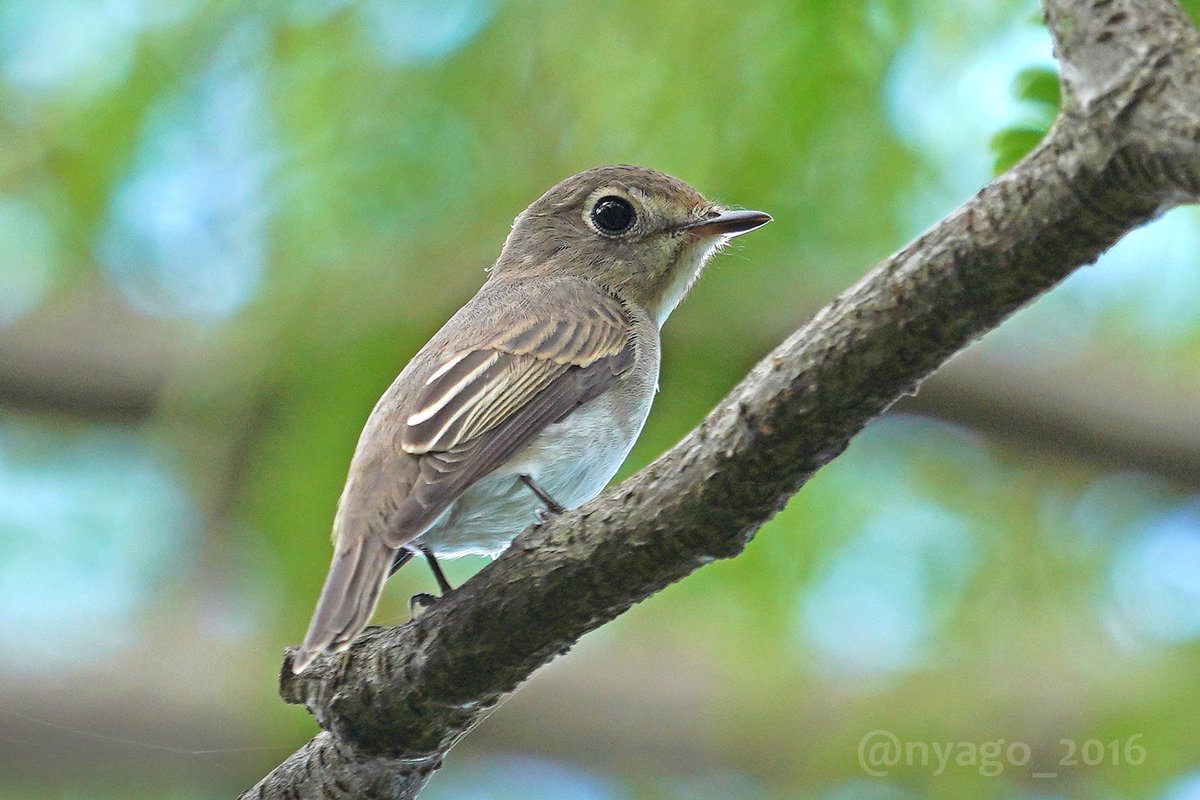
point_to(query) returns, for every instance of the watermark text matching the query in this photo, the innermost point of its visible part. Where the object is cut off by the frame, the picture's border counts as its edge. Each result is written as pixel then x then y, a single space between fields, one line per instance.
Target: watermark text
pixel 880 751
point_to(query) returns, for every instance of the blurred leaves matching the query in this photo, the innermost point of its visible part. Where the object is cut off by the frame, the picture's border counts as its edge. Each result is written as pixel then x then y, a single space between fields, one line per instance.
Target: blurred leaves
pixel 1040 90
pixel 298 194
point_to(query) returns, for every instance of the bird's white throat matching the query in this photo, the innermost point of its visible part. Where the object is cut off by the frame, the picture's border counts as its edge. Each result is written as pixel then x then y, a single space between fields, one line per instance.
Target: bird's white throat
pixel 692 261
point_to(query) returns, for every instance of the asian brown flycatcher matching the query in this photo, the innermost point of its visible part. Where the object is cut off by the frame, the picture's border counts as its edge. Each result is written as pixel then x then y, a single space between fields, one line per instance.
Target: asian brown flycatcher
pixel 531 396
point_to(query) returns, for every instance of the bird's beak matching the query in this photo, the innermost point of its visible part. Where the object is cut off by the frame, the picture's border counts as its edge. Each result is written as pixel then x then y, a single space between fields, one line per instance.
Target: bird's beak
pixel 729 223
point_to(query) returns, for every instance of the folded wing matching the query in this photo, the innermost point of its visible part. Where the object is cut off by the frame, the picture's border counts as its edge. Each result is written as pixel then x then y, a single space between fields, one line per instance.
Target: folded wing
pixel 482 406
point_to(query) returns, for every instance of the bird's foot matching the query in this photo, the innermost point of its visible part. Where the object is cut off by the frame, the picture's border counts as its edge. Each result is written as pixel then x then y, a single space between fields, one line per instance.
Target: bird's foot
pixel 422 600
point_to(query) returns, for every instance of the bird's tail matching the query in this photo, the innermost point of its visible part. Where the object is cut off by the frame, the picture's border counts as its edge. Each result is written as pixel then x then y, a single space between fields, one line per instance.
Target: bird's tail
pixel 351 591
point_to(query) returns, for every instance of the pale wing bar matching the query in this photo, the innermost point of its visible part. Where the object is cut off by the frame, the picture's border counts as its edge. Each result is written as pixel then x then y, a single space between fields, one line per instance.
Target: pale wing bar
pixel 480 390
pixel 475 391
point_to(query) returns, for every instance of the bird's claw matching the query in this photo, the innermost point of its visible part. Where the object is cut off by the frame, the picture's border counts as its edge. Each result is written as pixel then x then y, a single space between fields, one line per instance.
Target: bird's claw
pixel 421 600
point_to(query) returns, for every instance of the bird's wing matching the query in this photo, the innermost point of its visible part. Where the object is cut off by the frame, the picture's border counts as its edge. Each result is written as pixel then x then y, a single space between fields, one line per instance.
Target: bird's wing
pixel 479 407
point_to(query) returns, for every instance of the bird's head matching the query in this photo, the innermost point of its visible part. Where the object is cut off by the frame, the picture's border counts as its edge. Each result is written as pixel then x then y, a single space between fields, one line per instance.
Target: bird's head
pixel 641 234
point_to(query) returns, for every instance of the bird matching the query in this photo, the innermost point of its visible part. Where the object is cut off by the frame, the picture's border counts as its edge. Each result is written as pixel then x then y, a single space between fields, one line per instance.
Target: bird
pixel 530 397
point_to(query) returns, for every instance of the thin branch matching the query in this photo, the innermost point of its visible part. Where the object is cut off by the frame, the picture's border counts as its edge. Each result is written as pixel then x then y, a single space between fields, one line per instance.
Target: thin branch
pixel 1126 147
pixel 85 355
pixel 1085 415
pixel 1097 414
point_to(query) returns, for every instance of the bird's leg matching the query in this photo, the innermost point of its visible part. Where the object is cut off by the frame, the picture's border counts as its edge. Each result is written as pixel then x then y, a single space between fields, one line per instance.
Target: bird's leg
pixel 443 585
pixel 421 600
pixel 552 506
pixel 424 599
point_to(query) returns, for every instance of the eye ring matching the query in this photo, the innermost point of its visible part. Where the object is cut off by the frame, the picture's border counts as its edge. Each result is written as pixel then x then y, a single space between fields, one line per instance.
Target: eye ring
pixel 613 215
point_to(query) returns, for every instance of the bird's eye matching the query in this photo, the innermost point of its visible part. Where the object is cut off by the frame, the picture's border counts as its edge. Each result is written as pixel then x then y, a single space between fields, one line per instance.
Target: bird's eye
pixel 613 214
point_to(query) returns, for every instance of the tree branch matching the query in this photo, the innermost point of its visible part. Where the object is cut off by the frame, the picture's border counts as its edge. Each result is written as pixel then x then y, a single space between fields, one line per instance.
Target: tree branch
pixel 1102 415
pixel 1125 148
pixel 85 355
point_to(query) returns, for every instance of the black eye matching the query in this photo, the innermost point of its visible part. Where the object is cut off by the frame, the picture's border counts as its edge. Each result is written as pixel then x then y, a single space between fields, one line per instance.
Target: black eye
pixel 613 214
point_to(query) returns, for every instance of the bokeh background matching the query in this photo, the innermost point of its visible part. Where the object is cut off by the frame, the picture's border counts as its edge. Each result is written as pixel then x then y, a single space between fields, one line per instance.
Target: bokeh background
pixel 224 227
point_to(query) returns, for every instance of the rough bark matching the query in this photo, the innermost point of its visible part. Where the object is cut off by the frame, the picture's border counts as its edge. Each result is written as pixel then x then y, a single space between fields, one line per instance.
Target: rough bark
pixel 1125 148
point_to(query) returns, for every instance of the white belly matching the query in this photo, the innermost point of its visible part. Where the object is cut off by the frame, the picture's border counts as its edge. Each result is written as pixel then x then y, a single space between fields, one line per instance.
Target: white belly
pixel 572 460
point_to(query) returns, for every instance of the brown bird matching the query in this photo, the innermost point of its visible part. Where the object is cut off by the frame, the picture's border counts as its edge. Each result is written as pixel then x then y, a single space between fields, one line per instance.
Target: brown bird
pixel 531 396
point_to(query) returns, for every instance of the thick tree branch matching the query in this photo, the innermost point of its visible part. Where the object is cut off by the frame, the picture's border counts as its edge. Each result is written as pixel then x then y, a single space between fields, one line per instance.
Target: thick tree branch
pixel 1126 147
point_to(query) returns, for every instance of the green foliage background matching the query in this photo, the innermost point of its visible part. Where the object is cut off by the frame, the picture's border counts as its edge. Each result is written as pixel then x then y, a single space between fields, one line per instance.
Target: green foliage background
pixel 362 162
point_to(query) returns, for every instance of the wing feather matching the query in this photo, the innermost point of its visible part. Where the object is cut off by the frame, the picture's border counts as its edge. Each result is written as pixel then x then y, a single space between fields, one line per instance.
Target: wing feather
pixel 476 391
